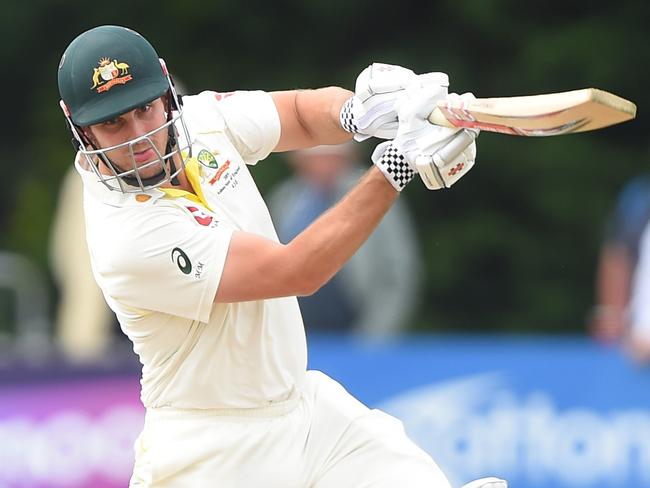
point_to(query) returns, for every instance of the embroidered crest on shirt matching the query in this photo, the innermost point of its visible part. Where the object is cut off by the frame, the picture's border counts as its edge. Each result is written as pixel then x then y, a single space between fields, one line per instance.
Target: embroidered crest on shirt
pixel 219 171
pixel 206 158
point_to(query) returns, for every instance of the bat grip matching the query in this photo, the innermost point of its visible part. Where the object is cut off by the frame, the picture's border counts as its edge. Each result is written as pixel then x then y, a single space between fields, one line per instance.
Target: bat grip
pixel 453 148
pixel 438 118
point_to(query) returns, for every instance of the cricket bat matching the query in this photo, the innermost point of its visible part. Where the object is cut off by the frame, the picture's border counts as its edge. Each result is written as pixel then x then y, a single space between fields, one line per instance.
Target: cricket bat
pixel 550 114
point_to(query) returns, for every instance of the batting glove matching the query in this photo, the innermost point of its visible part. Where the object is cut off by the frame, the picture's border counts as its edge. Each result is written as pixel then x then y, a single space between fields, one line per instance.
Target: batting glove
pixel 443 156
pixel 440 155
pixel 372 110
pixel 396 159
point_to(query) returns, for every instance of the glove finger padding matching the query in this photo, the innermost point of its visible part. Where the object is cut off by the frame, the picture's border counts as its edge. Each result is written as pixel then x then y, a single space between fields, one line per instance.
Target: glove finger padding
pixel 448 164
pixel 419 99
pixel 372 111
pixel 379 92
pixel 380 78
pixel 414 104
pixel 443 155
pixel 380 121
pixel 415 134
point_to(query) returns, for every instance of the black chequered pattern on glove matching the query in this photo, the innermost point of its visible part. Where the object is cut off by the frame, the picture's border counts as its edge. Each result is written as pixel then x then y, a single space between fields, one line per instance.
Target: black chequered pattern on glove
pixel 394 163
pixel 347 118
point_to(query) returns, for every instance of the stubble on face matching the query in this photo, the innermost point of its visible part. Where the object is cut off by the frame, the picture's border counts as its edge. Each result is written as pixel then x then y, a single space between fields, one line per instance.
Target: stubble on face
pixel 141 154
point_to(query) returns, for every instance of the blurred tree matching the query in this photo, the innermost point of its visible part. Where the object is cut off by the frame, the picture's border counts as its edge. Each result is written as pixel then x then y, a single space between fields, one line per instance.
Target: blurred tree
pixel 513 247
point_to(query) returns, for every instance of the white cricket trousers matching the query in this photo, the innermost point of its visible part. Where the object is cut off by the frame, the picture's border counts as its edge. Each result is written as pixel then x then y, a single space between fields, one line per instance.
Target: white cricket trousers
pixel 323 438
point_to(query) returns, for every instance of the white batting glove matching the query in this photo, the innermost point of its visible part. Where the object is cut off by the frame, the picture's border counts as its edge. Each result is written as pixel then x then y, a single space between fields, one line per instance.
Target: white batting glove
pixel 445 155
pixel 372 110
pixel 396 159
pixel 418 145
pixel 487 483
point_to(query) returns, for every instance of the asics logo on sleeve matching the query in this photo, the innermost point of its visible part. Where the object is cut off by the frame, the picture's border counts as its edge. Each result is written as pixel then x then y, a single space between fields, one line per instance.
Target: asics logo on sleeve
pixel 181 260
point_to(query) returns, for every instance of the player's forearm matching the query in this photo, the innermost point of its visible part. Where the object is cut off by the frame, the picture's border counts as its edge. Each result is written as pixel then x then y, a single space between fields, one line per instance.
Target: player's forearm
pixel 320 110
pixel 310 117
pixel 257 268
pixel 322 249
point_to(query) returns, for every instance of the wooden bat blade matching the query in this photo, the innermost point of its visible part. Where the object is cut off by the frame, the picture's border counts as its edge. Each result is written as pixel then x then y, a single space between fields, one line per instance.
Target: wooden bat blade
pixel 537 115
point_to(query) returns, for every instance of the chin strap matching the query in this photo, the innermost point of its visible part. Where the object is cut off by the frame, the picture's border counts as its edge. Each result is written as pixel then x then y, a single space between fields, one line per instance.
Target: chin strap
pixel 173 102
pixel 171 142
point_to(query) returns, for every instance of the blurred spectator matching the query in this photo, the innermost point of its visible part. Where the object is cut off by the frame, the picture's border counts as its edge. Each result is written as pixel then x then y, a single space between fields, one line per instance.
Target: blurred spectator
pixel 639 337
pixel 23 290
pixel 364 297
pixel 622 311
pixel 84 322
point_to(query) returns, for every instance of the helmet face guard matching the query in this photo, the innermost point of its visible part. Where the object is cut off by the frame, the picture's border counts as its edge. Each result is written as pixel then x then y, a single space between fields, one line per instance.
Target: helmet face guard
pixel 104 73
pixel 131 180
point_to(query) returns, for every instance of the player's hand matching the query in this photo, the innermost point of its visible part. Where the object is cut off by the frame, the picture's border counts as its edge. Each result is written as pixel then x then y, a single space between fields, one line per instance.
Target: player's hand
pixel 444 159
pixel 441 155
pixel 372 111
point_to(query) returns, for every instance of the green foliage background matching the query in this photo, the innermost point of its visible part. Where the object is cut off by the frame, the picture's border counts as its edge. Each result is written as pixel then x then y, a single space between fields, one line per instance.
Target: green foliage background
pixel 513 247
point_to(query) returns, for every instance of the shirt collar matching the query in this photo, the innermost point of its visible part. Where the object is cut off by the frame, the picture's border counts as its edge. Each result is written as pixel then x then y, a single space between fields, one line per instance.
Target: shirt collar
pixel 114 197
pixel 101 192
pixel 193 174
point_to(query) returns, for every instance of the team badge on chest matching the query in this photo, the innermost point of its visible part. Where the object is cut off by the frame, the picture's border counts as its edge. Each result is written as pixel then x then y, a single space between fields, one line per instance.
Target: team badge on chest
pixel 206 158
pixel 216 164
pixel 219 171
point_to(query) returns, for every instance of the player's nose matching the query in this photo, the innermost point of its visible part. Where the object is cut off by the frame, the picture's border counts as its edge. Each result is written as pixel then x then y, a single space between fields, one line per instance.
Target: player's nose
pixel 137 128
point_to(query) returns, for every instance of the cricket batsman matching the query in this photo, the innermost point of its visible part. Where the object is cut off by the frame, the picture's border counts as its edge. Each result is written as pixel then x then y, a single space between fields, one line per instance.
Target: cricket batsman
pixel 185 252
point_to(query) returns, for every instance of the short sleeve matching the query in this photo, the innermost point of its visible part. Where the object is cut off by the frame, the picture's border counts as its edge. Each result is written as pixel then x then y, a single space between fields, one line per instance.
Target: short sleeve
pixel 250 119
pixel 166 263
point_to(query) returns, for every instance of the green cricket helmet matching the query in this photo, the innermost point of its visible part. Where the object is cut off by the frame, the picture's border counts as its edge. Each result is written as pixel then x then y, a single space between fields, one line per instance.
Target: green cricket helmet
pixel 108 71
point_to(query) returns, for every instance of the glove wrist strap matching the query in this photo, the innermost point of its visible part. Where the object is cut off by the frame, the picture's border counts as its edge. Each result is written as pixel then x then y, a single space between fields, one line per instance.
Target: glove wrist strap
pixel 395 167
pixel 346 116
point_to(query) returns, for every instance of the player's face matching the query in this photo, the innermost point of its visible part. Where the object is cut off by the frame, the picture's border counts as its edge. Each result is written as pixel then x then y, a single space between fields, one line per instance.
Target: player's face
pixel 129 126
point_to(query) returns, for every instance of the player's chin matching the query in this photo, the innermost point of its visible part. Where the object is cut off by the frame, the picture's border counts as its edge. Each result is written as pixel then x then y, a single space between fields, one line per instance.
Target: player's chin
pixel 147 168
pixel 151 169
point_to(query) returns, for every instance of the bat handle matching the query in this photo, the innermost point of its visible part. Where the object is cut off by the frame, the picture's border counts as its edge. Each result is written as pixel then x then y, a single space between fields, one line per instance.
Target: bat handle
pixel 453 148
pixel 438 118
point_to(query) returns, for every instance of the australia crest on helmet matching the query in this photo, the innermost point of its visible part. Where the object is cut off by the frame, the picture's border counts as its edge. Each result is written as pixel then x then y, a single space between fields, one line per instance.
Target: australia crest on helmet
pixel 109 73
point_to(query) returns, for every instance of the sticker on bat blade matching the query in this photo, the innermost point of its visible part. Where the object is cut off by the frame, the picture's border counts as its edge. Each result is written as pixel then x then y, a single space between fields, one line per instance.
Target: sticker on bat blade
pixel 569 127
pixel 466 121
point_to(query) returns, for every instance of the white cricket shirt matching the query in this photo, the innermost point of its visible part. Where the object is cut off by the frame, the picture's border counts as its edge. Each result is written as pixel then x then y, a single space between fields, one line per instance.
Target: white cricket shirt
pixel 158 257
